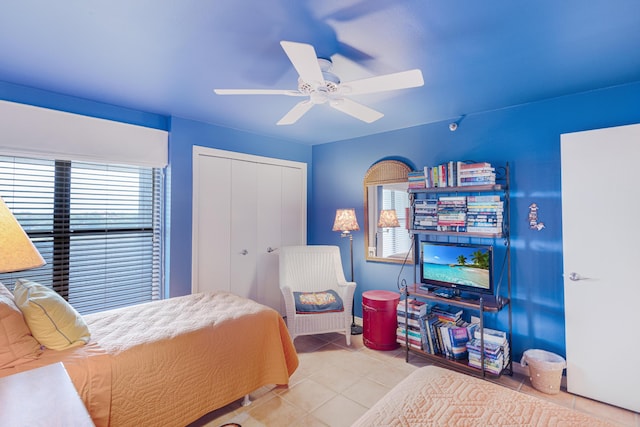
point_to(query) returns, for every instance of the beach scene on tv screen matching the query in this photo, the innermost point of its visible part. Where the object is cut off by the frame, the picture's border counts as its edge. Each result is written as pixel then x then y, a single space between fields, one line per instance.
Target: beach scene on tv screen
pixel 468 266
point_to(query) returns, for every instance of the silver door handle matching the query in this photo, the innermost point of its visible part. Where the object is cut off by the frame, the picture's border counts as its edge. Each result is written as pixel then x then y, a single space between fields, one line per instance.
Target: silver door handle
pixel 270 249
pixel 244 252
pixel 575 277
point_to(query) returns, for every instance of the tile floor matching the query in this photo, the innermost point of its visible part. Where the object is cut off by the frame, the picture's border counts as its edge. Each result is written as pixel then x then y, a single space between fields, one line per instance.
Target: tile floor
pixel 335 384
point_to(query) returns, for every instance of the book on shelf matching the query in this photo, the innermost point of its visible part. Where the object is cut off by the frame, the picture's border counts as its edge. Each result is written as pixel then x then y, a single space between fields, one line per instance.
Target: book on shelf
pixel 447 311
pixel 415 307
pixel 483 199
pixel 425 334
pixel 456 174
pixel 492 335
pixel 472 166
pixel 413 333
pixel 416 179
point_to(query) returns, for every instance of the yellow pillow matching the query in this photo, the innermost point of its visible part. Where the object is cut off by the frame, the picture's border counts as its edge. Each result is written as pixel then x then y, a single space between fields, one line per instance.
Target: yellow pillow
pixel 52 320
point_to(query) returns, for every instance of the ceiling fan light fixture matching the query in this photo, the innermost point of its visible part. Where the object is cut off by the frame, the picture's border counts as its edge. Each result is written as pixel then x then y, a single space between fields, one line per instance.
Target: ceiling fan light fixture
pixel 322 86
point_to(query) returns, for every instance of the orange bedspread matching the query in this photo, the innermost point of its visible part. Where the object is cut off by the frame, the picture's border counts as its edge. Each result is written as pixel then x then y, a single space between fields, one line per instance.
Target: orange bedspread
pixel 172 361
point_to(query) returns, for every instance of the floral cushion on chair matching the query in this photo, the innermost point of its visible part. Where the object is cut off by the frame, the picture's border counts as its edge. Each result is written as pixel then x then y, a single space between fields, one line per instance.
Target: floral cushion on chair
pixel 318 302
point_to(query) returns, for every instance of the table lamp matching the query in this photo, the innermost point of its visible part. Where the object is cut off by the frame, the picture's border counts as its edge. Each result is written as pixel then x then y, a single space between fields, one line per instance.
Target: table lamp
pixel 17 252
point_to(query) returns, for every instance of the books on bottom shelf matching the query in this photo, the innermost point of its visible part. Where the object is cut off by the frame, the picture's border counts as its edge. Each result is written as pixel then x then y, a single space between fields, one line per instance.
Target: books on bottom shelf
pixel 412 335
pixel 496 350
pixel 445 333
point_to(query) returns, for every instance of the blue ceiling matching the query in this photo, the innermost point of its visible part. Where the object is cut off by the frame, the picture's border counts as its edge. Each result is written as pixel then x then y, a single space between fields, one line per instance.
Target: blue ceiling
pixel 166 57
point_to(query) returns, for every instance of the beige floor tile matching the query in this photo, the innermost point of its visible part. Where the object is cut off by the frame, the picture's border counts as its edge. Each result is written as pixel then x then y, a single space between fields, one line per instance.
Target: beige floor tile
pixel 336 378
pixel 366 392
pixel 357 362
pixel 513 382
pixel 620 416
pixel 309 421
pixel 308 395
pixel 275 413
pixel 308 343
pixel 561 398
pixel 390 375
pixel 339 412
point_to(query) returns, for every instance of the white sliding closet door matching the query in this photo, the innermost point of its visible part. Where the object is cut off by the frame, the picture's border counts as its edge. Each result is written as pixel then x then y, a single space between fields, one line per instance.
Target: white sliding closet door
pixel 600 235
pixel 211 224
pixel 244 209
pixel 244 229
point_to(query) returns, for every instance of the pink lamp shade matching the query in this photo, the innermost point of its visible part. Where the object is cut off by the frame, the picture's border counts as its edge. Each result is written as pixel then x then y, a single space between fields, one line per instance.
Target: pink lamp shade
pixel 345 220
pixel 388 218
pixel 17 252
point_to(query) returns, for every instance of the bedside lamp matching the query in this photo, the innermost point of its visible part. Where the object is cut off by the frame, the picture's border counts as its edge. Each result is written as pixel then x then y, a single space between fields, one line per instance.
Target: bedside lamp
pixel 17 252
pixel 346 222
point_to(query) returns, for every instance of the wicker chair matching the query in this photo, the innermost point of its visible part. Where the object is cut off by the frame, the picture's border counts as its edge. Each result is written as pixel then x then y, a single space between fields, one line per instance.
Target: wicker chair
pixel 315 268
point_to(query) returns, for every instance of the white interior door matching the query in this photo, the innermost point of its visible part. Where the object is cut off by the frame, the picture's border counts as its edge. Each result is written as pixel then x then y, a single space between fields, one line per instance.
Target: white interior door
pixel 269 233
pixel 244 209
pixel 211 218
pixel 294 209
pixel 600 210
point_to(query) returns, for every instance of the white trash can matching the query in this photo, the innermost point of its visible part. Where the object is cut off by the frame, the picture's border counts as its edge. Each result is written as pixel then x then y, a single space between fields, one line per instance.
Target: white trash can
pixel 545 369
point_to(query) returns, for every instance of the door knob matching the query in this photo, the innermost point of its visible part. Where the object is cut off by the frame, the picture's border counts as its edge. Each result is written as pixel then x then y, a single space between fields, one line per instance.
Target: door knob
pixel 575 277
pixel 270 249
pixel 244 252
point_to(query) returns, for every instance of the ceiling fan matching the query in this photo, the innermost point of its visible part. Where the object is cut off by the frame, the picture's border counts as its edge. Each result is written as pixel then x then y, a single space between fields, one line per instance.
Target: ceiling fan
pixel 320 85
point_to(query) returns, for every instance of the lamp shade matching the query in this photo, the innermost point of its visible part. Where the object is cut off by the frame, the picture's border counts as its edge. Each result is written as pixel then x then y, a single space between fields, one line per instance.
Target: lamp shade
pixel 345 220
pixel 388 218
pixel 17 253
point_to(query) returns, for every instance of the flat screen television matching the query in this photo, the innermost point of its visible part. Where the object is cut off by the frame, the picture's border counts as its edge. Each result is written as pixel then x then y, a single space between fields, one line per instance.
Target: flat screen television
pixel 460 267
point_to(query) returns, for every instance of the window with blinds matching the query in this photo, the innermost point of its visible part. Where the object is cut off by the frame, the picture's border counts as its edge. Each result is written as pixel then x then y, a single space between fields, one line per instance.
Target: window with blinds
pixel 97 226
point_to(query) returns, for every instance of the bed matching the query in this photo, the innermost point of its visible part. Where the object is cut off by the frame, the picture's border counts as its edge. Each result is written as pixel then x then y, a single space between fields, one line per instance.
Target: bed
pixel 172 361
pixel 434 396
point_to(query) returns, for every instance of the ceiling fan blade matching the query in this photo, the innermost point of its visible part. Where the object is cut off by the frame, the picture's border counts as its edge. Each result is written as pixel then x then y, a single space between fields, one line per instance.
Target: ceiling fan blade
pixel 304 59
pixel 401 80
pixel 355 109
pixel 258 92
pixel 296 112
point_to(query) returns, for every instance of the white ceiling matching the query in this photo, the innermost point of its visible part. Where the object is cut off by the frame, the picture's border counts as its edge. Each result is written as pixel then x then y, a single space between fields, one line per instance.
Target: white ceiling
pixel 166 57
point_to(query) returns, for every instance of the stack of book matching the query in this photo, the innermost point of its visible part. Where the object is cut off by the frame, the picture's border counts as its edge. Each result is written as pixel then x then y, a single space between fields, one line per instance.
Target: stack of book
pixel 452 213
pixel 425 214
pixel 416 180
pixel 443 175
pixel 444 332
pixel 409 324
pixel 484 214
pixel 496 350
pixel 476 174
pixel 458 174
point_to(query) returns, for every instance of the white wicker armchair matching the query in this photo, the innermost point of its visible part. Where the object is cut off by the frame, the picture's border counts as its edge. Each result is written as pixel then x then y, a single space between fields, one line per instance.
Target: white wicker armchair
pixel 315 268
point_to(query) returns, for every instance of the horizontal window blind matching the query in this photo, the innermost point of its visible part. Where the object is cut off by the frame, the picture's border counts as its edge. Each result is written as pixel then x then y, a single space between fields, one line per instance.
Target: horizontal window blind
pixel 97 226
pixel 395 238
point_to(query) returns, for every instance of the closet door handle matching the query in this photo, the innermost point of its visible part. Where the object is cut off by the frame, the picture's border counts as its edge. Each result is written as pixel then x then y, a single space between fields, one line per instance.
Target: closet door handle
pixel 244 252
pixel 270 249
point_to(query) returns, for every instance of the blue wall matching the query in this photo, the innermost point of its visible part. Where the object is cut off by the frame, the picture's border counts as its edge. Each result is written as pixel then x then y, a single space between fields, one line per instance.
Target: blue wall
pixel 526 136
